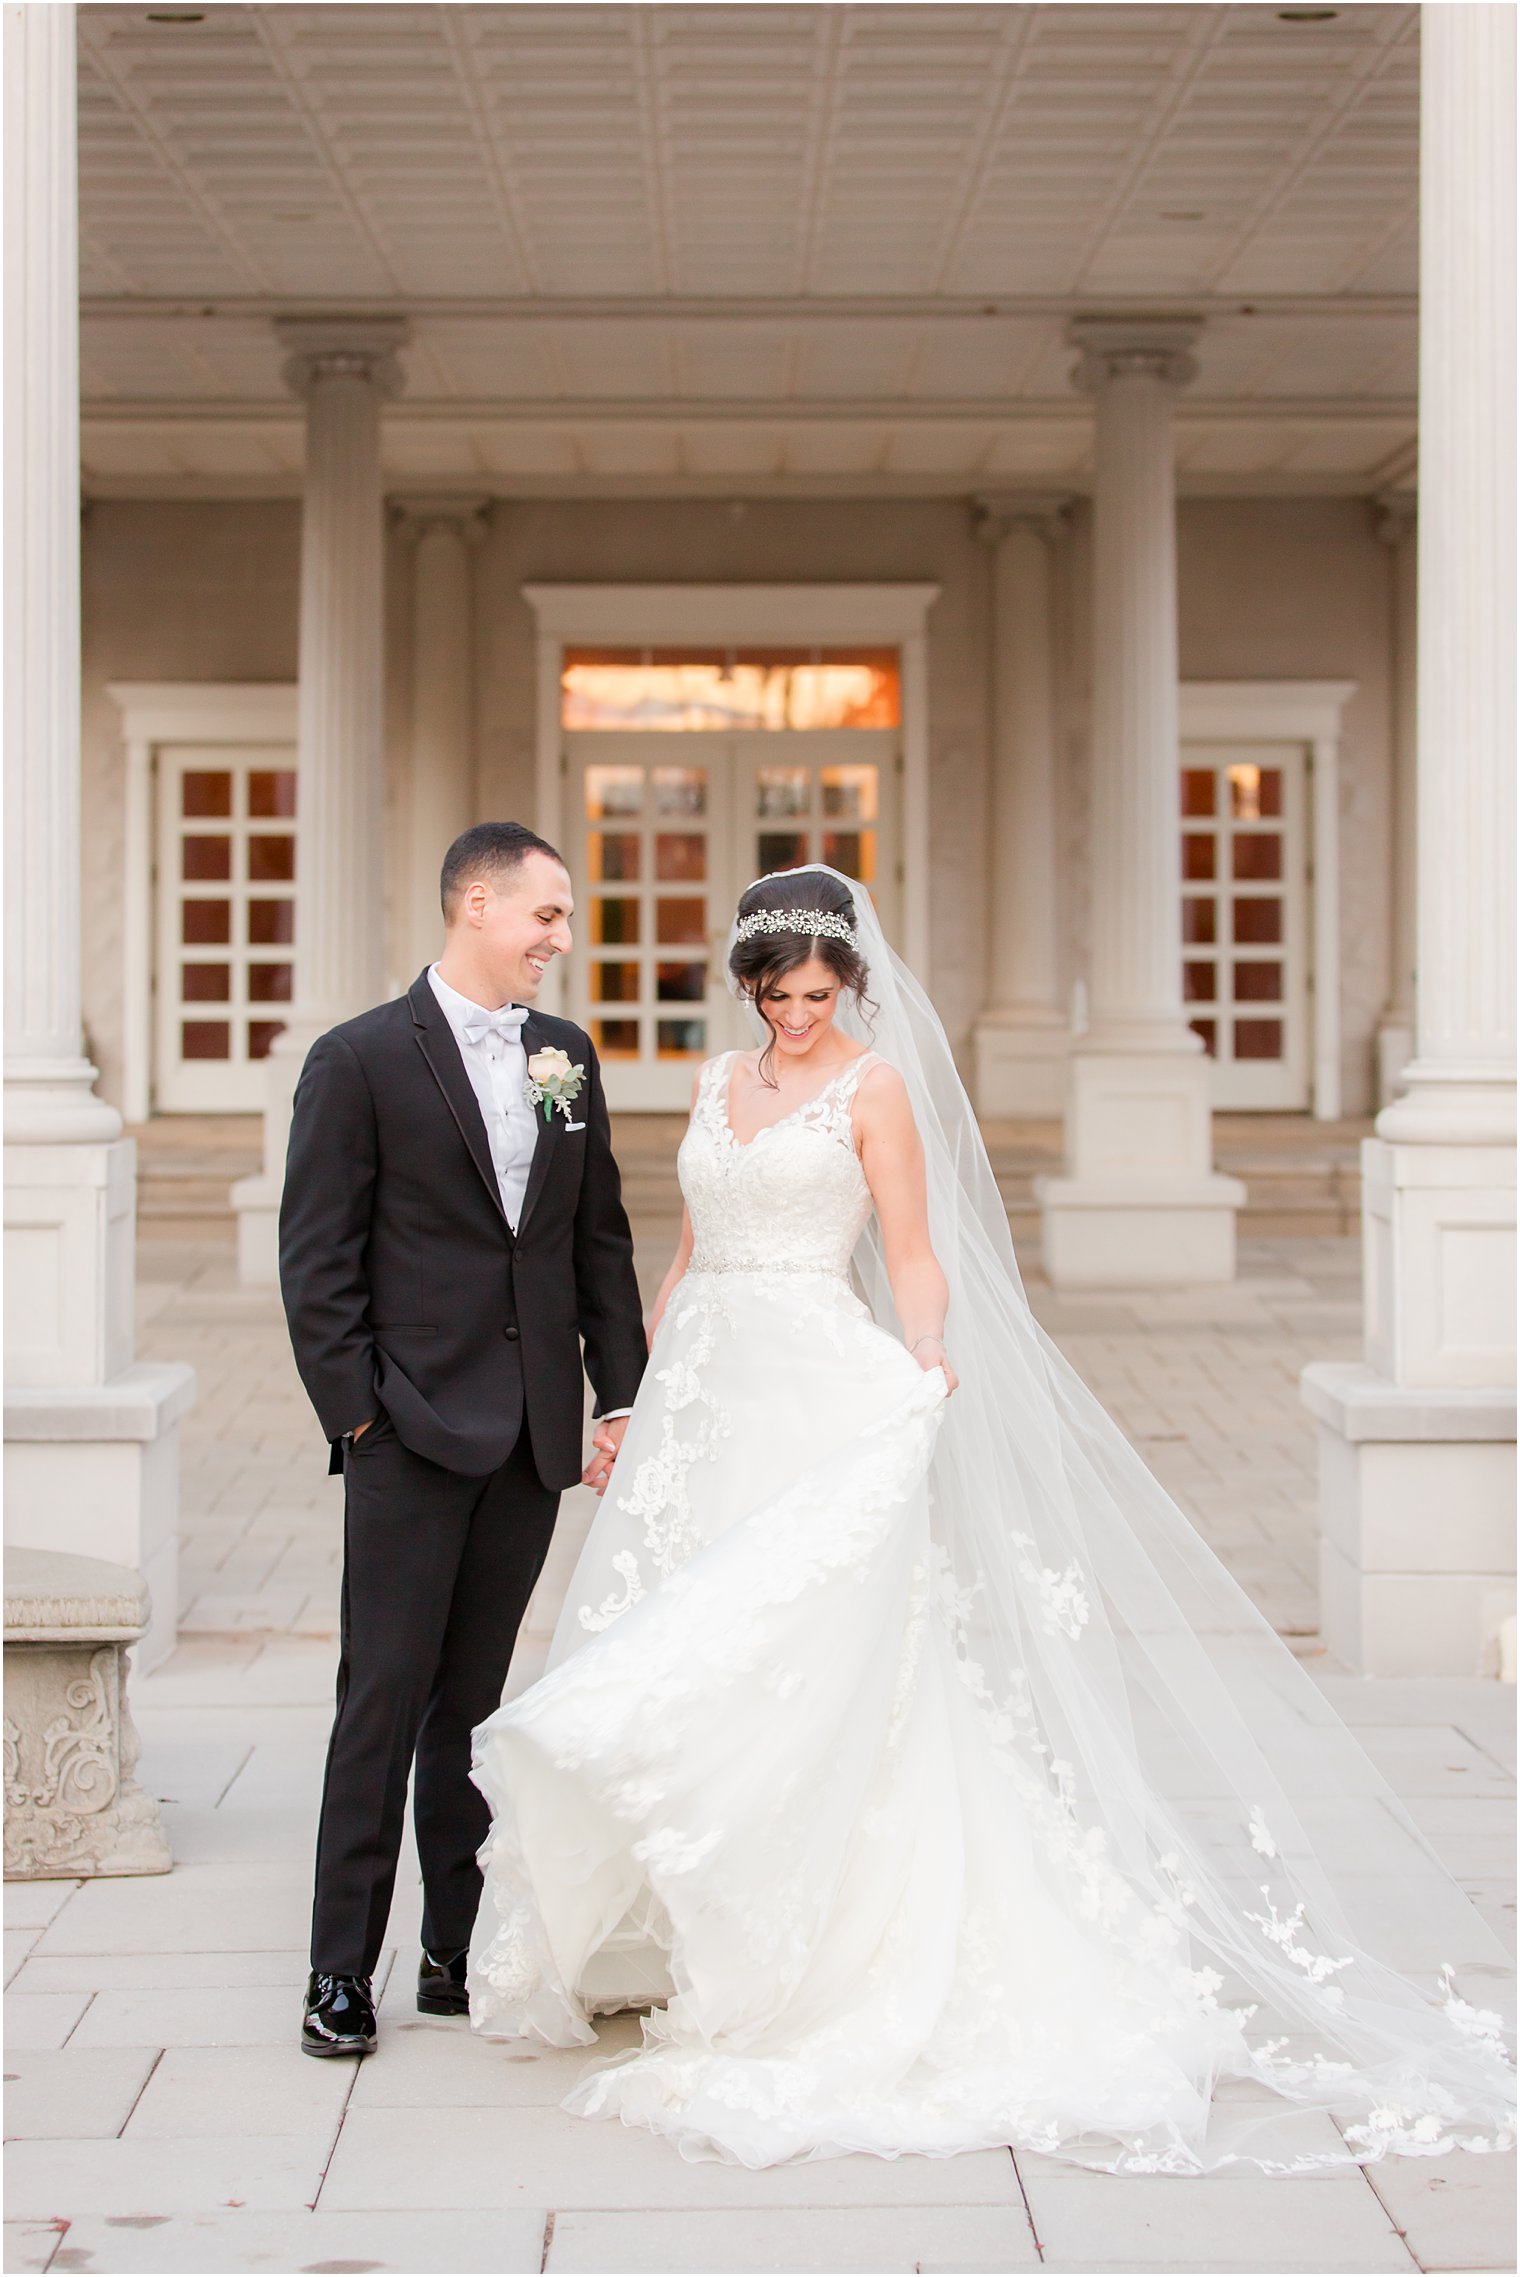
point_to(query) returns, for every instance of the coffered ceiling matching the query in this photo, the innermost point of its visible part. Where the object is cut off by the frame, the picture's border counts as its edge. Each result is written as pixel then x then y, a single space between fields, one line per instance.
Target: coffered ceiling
pixel 777 247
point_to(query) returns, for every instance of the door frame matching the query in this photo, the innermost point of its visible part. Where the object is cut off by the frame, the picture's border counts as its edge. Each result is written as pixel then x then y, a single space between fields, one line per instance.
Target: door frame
pixel 1306 712
pixel 741 616
pixel 155 713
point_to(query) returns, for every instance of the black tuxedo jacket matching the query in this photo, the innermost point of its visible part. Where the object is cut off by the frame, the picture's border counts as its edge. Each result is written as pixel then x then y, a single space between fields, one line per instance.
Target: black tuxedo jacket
pixel 407 1291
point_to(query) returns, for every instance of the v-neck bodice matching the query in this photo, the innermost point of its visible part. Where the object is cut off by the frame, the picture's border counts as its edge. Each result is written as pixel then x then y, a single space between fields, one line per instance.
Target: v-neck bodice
pixel 793 1198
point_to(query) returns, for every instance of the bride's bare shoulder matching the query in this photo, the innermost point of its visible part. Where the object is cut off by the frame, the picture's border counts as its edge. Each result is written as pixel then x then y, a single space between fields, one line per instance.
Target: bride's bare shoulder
pixel 881 1096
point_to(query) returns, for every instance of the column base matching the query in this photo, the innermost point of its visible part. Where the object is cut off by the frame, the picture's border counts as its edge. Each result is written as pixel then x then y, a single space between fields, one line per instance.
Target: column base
pixel 94 1470
pixel 1139 1205
pixel 1112 1234
pixel 1395 1050
pixel 1021 1063
pixel 70 1220
pixel 256 1201
pixel 1417 1548
pixel 1438 1243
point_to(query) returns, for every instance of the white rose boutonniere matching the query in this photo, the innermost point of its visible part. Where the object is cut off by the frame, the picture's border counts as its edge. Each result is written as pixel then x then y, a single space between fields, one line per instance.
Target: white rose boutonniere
pixel 553 1081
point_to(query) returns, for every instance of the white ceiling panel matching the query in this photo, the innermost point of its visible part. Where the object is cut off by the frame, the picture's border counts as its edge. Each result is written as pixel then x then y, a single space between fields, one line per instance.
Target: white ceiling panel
pixel 745 360
pixel 508 449
pixel 631 450
pixel 841 448
pixel 960 451
pixel 1053 450
pixel 750 449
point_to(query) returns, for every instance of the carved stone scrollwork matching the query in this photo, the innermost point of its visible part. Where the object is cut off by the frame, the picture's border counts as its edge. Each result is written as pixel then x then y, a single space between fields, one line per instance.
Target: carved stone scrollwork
pixel 72 1805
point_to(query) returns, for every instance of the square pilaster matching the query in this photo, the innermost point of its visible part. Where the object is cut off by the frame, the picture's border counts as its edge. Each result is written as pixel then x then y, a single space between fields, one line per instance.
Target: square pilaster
pixel 1139 1205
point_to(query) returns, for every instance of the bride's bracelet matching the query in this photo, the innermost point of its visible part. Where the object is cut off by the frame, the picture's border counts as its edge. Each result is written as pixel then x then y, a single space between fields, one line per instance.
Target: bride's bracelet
pixel 929 1337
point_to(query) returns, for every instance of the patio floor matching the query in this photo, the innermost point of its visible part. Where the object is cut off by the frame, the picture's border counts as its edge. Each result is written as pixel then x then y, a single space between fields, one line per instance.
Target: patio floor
pixel 162 2118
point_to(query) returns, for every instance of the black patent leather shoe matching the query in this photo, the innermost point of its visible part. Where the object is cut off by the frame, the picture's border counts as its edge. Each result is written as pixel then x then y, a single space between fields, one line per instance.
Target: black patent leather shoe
pixel 441 1989
pixel 340 2016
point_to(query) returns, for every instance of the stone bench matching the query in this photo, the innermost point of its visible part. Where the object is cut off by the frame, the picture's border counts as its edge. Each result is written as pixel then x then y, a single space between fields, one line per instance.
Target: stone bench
pixel 72 1806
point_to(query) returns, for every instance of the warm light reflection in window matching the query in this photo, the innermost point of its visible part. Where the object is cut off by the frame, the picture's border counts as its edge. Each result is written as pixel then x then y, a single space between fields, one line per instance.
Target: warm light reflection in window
pixel 714 689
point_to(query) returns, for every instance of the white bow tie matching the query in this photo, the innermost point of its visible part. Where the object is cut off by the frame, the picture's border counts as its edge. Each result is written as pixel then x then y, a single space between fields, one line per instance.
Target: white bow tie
pixel 507 1023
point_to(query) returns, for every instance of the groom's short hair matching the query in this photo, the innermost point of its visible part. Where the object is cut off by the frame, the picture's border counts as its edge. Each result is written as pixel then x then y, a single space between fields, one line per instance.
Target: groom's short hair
pixel 490 850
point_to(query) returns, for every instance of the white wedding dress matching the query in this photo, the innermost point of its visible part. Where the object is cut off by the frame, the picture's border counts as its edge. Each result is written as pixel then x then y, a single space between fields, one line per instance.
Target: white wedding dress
pixel 767 1790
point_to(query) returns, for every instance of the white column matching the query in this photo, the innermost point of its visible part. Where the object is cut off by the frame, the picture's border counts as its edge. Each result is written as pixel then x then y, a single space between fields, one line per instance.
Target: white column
pixel 344 369
pixel 1022 1036
pixel 91 1461
pixel 1417 1442
pixel 1395 524
pixel 1139 1203
pixel 440 792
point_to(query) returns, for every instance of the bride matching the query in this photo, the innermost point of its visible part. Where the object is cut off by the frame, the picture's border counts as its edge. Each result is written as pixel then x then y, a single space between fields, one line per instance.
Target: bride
pixel 903 1751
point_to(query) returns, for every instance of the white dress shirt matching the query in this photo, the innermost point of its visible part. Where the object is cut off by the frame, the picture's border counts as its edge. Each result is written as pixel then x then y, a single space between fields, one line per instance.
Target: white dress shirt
pixel 491 1046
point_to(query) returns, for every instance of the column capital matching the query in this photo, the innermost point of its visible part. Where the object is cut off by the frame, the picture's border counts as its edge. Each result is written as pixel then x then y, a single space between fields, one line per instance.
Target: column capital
pixel 465 517
pixel 350 347
pixel 1395 515
pixel 1112 347
pixel 995 513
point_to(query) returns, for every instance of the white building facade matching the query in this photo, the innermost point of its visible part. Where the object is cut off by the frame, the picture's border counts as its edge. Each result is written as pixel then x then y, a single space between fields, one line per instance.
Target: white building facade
pixel 976 446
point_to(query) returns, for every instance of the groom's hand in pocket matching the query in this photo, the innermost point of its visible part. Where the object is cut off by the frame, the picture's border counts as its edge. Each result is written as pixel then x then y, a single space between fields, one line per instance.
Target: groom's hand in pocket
pixel 606 1439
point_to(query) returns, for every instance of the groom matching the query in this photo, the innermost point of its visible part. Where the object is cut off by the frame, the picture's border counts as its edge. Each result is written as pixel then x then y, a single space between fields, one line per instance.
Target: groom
pixel 446 1242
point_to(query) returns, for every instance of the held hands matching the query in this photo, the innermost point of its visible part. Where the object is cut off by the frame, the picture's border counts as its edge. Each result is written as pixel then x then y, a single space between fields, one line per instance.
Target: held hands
pixel 606 1438
pixel 929 1352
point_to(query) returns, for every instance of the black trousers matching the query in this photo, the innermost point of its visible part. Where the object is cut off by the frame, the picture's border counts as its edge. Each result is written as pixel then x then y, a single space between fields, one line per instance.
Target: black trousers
pixel 437 1573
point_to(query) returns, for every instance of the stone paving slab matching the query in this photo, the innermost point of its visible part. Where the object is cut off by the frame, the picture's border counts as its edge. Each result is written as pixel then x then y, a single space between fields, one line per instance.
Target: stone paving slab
pixel 125 1972
pixel 462 2156
pixel 1456 2212
pixel 211 1908
pixel 965 2239
pixel 245 2017
pixel 194 2091
pixel 435 2061
pixel 496 2245
pixel 32 2245
pixel 73 2091
pixel 1158 2222
pixel 41 2019
pixel 18 1944
pixel 32 1905
pixel 59 2180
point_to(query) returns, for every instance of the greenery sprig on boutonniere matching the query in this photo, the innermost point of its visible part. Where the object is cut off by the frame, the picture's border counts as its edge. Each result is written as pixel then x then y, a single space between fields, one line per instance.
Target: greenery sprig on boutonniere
pixel 553 1081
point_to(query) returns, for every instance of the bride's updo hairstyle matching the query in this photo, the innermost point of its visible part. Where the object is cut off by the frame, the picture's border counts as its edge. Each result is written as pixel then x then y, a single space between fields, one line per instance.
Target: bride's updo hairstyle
pixel 761 959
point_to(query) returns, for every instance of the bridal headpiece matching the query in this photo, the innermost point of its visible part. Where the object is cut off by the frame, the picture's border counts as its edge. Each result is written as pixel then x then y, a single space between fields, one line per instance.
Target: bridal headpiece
pixel 813 922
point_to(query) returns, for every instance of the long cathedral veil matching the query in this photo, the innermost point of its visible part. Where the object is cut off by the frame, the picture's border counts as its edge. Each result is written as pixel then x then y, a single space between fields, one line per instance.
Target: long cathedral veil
pixel 1194 1792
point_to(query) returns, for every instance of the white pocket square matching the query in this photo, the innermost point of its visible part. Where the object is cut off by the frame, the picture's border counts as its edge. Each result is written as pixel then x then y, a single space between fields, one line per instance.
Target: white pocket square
pixel 575 1126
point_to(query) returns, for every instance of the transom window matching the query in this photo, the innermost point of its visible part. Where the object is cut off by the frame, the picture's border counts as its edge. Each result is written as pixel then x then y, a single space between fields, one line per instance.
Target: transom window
pixel 702 691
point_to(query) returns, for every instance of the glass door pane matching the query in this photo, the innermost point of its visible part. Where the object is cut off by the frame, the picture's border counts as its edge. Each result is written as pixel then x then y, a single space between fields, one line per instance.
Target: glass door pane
pixel 1245 919
pixel 823 797
pixel 226 924
pixel 649 870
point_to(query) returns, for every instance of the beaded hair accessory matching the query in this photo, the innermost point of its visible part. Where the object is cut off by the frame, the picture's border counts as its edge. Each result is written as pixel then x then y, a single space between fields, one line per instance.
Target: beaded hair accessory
pixel 813 922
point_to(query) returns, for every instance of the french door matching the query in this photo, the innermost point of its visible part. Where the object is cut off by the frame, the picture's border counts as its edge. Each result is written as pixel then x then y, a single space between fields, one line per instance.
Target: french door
pixel 1245 919
pixel 668 828
pixel 225 967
